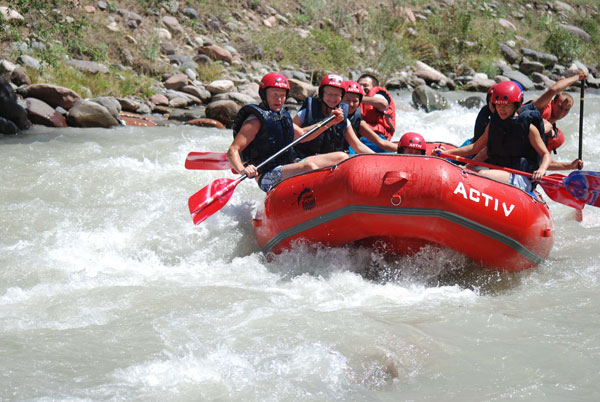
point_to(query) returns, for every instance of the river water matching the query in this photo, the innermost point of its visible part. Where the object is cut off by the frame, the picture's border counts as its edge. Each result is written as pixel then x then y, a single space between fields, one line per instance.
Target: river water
pixel 109 292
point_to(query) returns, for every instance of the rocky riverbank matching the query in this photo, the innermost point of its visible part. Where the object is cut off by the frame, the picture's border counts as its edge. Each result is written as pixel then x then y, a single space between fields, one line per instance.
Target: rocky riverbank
pixel 180 95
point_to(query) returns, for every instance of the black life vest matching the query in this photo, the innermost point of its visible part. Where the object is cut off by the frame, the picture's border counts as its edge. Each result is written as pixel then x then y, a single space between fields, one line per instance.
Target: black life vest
pixel 333 139
pixel 508 142
pixel 276 131
pixel 355 119
pixel 531 112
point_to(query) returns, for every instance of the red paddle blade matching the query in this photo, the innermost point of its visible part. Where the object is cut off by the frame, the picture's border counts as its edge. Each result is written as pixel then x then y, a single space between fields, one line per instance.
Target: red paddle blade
pixel 207 161
pixel 211 198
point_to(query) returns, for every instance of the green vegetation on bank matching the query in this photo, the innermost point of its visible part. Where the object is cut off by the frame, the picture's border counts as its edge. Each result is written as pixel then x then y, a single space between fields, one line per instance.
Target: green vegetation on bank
pixel 318 36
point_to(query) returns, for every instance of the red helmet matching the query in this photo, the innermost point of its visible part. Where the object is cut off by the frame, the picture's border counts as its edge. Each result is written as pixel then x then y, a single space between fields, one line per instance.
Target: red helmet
pixel 413 140
pixel 272 80
pixel 507 92
pixel 332 80
pixel 353 87
pixel 556 140
pixel 489 93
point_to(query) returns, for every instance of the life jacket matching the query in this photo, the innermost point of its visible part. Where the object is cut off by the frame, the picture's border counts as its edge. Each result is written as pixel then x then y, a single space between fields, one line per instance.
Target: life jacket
pixel 276 131
pixel 508 143
pixel 547 112
pixel 554 138
pixel 333 139
pixel 381 122
pixel 483 118
pixel 355 119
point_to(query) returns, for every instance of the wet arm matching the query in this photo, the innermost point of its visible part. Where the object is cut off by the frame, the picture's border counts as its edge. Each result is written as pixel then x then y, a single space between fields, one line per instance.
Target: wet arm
pixel 244 137
pixel 372 136
pixel 355 143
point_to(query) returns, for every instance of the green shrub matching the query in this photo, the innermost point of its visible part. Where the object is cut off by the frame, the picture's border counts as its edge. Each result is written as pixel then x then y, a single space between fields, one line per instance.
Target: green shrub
pixel 563 44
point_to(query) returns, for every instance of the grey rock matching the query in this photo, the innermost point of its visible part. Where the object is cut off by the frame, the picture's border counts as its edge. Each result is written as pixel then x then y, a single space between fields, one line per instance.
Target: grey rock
pixel 509 54
pixel 528 67
pixel 202 59
pixel 472 102
pixel 538 78
pixel 53 95
pixel 88 66
pixel 223 111
pixel 190 13
pixel 6 66
pixel 179 102
pixel 110 103
pixel 428 99
pixel 548 60
pixel 129 104
pixel 90 114
pixel 578 32
pixel 29 62
pixel 19 77
pixel 188 114
pixel 102 5
pixel 239 98
pixel 520 78
pixel 40 112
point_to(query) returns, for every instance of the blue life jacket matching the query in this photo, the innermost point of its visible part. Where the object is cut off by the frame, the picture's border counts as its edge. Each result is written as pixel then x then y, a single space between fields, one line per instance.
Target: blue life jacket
pixel 276 131
pixel 508 142
pixel 333 139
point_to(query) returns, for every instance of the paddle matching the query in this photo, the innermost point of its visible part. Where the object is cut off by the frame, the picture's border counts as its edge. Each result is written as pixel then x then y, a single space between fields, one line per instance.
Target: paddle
pixel 553 185
pixel 214 196
pixel 207 161
pixel 580 154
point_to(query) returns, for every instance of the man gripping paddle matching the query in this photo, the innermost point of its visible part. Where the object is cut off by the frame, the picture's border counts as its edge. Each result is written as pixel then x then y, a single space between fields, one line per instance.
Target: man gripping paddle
pixel 261 130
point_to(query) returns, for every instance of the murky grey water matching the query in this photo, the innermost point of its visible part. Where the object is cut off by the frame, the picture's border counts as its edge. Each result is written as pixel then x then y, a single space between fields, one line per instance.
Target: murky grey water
pixel 108 291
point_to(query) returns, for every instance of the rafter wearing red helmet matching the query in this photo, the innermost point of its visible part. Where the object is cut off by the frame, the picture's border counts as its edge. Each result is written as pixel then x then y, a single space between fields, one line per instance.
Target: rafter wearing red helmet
pixel 511 139
pixel 339 137
pixel 259 131
pixel 353 98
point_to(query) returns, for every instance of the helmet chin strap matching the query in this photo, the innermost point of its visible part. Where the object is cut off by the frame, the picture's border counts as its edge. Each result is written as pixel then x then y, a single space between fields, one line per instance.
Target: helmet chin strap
pixel 327 107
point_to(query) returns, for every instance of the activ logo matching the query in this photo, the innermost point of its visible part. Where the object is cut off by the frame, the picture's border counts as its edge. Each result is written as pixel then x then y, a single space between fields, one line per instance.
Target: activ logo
pixel 479 197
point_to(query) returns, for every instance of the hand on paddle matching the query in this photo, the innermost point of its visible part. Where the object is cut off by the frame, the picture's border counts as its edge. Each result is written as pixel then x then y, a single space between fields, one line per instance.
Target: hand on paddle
pixel 250 171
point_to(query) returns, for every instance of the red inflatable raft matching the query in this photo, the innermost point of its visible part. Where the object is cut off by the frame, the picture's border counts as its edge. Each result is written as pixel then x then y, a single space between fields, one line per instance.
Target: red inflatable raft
pixel 405 202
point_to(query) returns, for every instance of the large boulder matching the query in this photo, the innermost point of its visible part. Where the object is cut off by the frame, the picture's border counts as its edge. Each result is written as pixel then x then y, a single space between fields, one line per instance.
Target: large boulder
pixel 428 99
pixel 220 86
pixel 521 78
pixel 14 117
pixel 223 111
pixel 40 112
pixel 110 103
pixel 86 113
pixel 301 90
pixel 53 95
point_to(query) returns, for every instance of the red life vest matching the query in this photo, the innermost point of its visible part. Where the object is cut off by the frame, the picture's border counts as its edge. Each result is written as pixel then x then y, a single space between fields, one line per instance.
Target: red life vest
pixel 382 123
pixel 555 137
pixel 547 112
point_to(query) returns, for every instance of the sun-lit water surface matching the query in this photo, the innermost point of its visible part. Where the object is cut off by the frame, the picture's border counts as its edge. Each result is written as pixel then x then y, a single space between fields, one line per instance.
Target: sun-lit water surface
pixel 108 291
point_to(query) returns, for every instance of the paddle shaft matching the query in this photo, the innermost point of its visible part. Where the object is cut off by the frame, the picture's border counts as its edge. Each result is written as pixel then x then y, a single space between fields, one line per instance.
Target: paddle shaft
pixel 291 144
pixel 509 170
pixel 580 155
pixel 200 204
